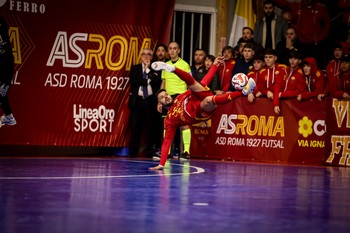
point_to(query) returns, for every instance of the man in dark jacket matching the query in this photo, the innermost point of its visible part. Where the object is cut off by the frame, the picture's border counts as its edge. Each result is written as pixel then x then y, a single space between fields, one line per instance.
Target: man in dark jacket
pixel 144 83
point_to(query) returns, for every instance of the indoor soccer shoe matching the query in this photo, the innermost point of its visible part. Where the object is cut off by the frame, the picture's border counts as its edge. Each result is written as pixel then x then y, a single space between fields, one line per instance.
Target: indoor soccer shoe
pixel 7 120
pixel 249 87
pixel 159 65
pixel 184 156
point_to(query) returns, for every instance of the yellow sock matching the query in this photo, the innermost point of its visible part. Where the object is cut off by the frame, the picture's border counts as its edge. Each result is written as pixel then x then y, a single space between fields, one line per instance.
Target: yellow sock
pixel 186 138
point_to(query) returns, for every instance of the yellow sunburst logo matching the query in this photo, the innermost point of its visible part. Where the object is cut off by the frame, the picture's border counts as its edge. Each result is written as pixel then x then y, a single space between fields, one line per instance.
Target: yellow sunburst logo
pixel 305 127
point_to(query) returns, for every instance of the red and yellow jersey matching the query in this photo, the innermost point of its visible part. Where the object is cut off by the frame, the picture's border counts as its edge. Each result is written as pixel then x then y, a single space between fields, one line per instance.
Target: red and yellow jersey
pixel 185 110
pixel 270 79
pixel 225 74
pixel 293 84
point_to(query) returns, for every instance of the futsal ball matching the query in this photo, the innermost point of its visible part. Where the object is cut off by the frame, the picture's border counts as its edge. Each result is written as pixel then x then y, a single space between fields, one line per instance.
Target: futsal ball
pixel 239 80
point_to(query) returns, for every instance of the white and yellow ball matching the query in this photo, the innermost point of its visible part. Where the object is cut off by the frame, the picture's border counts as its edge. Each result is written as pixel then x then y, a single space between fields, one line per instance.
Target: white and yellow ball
pixel 239 81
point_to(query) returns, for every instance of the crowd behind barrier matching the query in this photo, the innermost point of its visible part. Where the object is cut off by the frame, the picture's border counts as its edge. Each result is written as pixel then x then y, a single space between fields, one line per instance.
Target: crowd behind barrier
pixel 308 132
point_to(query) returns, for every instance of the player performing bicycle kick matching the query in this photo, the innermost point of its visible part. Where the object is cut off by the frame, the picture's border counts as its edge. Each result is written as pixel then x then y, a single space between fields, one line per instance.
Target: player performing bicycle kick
pixel 197 104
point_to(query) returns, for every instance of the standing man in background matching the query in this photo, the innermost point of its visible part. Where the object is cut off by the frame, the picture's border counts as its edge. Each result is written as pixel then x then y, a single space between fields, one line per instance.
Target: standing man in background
pixel 142 104
pixel 312 23
pixel 271 29
pixel 198 68
pixel 6 74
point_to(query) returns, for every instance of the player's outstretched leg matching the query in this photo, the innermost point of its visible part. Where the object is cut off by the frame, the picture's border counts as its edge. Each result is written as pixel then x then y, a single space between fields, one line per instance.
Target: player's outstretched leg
pixel 186 77
pixel 159 65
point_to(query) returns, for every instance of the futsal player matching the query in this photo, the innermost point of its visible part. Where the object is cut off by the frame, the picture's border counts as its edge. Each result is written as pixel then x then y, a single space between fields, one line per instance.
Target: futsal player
pixel 195 105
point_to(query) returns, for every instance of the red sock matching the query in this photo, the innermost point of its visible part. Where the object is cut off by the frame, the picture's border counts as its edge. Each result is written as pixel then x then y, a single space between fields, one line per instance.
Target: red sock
pixel 226 98
pixel 189 80
pixel 209 76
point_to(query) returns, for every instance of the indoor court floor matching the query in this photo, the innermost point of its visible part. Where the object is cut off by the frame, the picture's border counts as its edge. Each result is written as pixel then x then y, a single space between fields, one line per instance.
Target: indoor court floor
pixel 116 194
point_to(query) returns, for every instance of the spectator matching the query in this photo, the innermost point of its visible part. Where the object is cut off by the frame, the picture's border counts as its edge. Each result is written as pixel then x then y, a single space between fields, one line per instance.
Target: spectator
pixel 294 84
pixel 144 83
pixel 333 66
pixel 245 63
pixel 214 84
pixel 198 68
pixel 225 70
pixel 287 16
pixel 161 53
pixel 240 46
pixel 314 80
pixel 312 23
pixel 284 47
pixel 248 37
pixel 270 79
pixel 340 84
pixel 258 64
pixel 271 29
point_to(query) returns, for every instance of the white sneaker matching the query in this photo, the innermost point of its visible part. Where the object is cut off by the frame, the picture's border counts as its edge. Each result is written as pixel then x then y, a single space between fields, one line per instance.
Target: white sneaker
pixel 159 65
pixel 7 120
pixel 249 87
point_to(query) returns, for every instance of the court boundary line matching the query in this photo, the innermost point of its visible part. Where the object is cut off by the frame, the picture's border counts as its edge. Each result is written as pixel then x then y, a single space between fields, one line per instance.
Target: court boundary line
pixel 198 170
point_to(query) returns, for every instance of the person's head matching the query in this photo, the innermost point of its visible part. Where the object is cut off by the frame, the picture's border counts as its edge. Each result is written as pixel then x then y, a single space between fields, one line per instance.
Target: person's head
pixel 294 58
pixel 306 69
pixel 174 50
pixel 291 33
pixel 270 57
pixel 209 60
pixel 287 16
pixel 269 7
pixel 345 63
pixel 309 66
pixel 248 51
pixel 199 56
pixel 240 44
pixel 227 52
pixel 247 33
pixel 164 98
pixel 162 52
pixel 258 61
pixel 337 50
pixel 146 55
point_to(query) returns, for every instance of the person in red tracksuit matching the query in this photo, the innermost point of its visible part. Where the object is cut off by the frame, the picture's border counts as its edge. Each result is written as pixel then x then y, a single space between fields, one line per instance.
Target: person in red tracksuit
pixel 314 79
pixel 195 105
pixel 270 79
pixel 258 64
pixel 294 84
pixel 333 67
pixel 340 84
pixel 225 70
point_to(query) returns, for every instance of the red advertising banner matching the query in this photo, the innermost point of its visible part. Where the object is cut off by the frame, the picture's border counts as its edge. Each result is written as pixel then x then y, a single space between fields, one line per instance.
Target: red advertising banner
pixel 338 136
pixel 253 132
pixel 72 61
